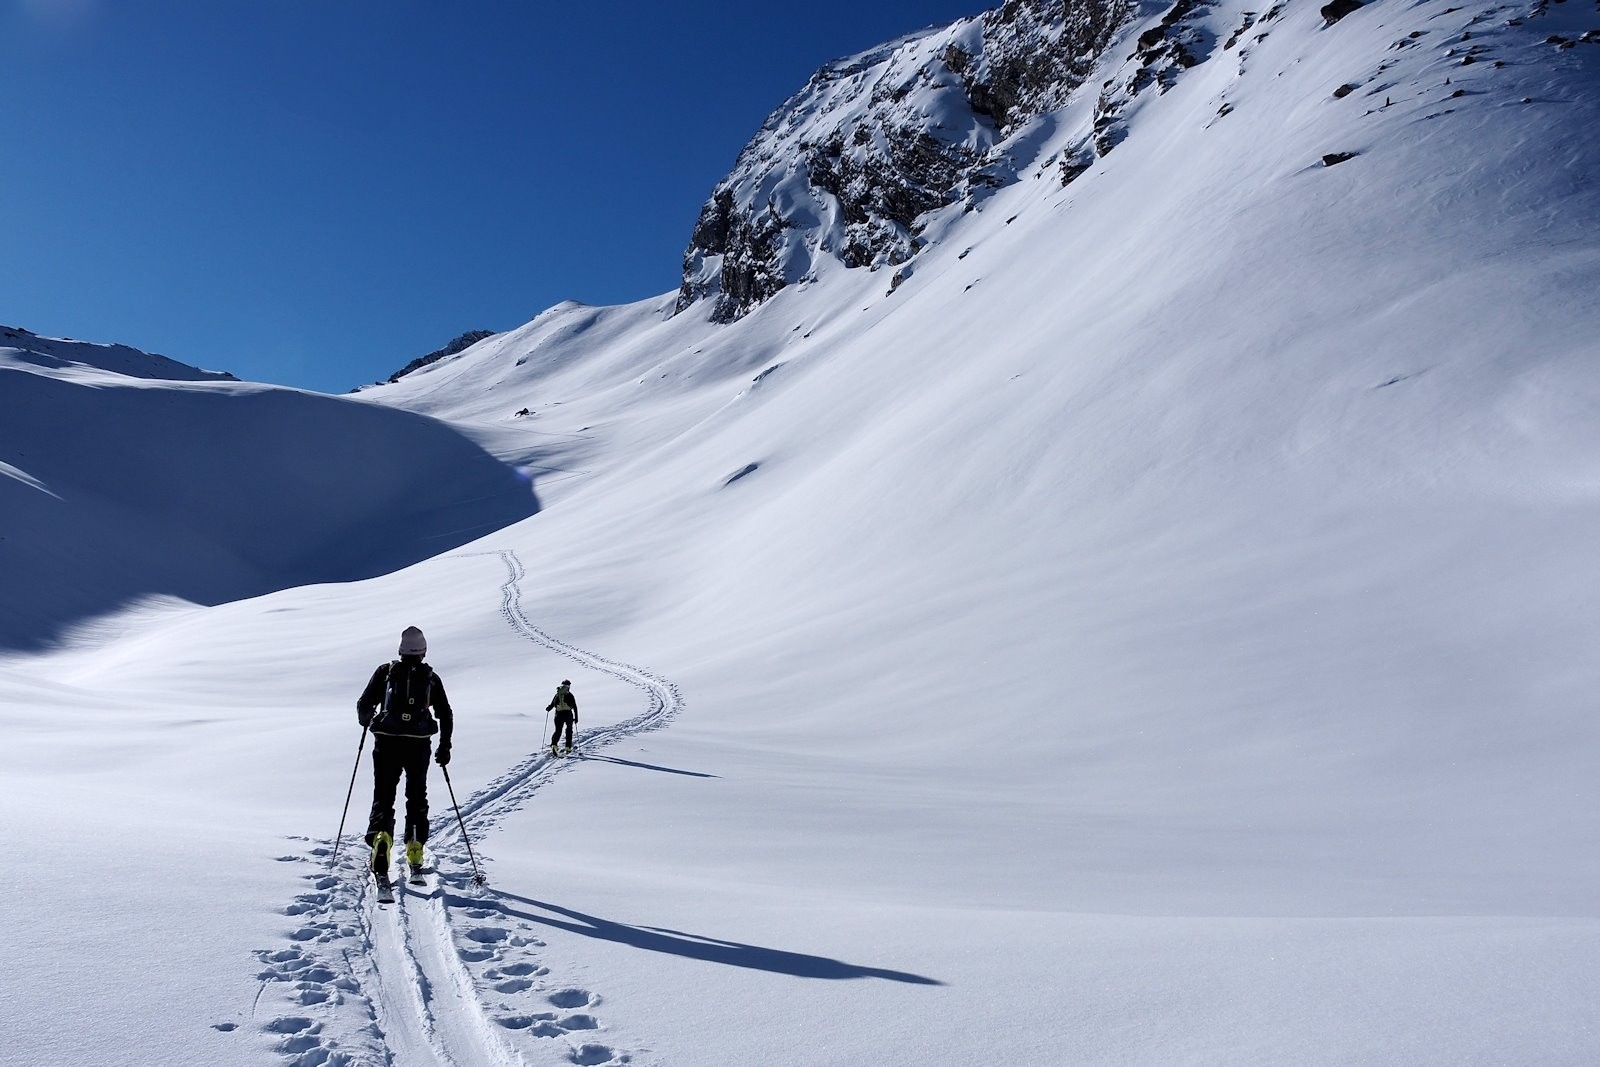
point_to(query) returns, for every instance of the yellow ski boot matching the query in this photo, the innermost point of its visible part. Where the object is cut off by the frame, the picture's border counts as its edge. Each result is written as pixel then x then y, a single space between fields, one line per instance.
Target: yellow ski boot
pixel 381 844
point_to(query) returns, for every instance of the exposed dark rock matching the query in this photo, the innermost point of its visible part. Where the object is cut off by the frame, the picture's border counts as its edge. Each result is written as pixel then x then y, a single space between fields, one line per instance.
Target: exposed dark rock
pixel 1179 41
pixel 749 273
pixel 460 344
pixel 1171 45
pixel 878 170
pixel 743 472
pixel 1338 9
pixel 1075 164
pixel 1333 159
pixel 1109 130
pixel 1233 39
pixel 1036 52
pixel 1345 90
pixel 711 228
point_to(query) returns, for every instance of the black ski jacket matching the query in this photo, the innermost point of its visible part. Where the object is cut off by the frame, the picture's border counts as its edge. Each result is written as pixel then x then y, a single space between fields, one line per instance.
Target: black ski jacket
pixel 369 707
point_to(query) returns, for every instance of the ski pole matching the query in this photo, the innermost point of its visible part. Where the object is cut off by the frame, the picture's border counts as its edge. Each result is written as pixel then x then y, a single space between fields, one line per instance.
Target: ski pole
pixel 546 726
pixel 339 839
pixel 477 875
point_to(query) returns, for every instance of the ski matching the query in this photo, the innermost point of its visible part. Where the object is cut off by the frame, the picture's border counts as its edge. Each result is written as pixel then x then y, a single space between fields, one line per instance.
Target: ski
pixel 416 875
pixel 385 889
pixel 380 867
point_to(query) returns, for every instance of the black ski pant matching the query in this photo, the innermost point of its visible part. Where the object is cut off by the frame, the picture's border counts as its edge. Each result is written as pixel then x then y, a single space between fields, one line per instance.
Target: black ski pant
pixel 392 756
pixel 563 722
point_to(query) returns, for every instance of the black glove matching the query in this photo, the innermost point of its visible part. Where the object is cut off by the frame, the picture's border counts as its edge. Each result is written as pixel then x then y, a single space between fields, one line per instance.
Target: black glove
pixel 364 717
pixel 442 757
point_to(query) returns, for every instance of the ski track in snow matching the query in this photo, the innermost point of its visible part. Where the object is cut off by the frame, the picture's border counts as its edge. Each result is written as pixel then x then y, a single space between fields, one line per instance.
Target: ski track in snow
pixel 443 975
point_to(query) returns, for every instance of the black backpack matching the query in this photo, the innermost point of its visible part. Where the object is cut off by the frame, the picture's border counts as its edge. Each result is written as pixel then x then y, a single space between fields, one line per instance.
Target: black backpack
pixel 406 697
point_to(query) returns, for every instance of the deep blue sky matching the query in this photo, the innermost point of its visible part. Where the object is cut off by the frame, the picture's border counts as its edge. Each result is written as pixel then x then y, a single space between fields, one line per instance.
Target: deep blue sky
pixel 316 193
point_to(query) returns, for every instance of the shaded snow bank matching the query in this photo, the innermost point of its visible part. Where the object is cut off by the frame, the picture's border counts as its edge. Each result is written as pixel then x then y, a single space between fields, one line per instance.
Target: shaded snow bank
pixel 116 488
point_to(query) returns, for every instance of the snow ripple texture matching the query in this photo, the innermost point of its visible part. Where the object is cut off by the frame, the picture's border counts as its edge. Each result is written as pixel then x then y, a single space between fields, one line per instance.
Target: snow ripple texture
pixel 447 974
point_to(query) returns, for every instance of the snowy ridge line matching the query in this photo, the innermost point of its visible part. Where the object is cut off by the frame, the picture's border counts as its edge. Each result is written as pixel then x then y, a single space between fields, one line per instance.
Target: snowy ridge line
pixel 511 789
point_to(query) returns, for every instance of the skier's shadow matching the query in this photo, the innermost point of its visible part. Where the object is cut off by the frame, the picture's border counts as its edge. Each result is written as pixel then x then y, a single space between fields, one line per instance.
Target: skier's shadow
pixel 694 946
pixel 649 766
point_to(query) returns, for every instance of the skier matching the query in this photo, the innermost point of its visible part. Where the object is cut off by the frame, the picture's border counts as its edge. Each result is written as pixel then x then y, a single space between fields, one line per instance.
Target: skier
pixel 395 705
pixel 566 709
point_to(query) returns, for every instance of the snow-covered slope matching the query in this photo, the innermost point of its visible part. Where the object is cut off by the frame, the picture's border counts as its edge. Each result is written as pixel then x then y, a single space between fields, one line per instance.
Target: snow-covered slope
pixel 62 353
pixel 1154 631
pixel 133 478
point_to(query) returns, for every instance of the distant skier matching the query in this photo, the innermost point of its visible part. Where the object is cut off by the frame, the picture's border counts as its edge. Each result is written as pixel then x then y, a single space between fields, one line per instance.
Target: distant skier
pixel 395 705
pixel 566 709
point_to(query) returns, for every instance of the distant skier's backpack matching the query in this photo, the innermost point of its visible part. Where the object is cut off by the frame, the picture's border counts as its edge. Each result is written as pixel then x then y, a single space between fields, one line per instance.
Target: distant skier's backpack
pixel 406 696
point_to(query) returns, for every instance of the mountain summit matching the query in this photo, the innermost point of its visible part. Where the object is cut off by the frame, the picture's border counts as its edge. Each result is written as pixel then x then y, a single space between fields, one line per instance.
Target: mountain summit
pixel 850 165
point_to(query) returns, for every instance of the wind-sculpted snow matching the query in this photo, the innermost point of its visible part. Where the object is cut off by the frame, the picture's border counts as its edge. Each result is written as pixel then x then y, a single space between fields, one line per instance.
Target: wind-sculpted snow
pixel 114 489
pixel 450 973
pixel 64 353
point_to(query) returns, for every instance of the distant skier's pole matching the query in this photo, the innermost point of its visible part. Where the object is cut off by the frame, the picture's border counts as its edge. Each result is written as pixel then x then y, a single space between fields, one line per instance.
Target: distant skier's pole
pixel 339 838
pixel 477 875
pixel 546 727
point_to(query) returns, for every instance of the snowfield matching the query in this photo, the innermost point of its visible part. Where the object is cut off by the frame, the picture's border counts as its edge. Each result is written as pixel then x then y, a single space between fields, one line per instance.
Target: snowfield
pixel 1158 631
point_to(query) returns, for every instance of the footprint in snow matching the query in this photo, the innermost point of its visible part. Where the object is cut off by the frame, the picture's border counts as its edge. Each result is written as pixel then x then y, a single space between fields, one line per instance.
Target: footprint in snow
pixel 588 1055
pixel 535 1025
pixel 307 902
pixel 573 998
pixel 300 1038
pixel 305 1043
pixel 517 970
pixel 293 1024
pixel 513 985
pixel 310 994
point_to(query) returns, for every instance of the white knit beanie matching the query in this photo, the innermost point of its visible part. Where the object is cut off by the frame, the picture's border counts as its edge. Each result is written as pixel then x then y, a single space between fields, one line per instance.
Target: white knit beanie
pixel 412 643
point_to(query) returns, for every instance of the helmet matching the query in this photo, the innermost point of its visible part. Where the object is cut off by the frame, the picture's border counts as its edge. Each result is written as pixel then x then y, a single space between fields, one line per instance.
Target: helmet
pixel 565 683
pixel 412 643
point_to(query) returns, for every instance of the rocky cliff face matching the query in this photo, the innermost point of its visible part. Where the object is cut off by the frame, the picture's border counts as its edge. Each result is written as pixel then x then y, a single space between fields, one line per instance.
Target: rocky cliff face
pixel 849 166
